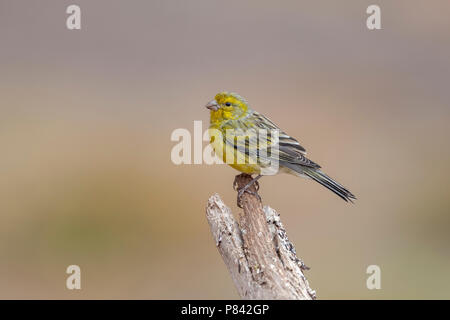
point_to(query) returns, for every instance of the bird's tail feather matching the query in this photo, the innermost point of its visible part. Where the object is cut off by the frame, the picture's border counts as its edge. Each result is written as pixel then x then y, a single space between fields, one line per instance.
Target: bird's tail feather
pixel 329 183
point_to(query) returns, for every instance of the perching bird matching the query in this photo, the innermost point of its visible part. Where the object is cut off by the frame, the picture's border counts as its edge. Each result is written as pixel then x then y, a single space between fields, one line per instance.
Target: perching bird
pixel 235 131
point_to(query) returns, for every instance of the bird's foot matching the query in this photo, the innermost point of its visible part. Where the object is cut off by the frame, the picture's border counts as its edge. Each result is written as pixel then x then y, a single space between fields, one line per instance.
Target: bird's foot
pixel 244 189
pixel 241 193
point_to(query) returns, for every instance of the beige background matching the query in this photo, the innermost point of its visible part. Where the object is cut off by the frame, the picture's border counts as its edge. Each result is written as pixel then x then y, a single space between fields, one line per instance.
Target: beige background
pixel 86 118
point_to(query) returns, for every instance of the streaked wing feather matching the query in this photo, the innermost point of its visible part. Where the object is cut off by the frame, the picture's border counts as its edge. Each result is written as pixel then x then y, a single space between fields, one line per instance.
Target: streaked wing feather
pixel 291 155
pixel 290 151
pixel 285 140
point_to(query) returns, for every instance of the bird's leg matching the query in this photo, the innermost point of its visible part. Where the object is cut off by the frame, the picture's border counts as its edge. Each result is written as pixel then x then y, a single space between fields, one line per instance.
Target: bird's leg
pixel 245 189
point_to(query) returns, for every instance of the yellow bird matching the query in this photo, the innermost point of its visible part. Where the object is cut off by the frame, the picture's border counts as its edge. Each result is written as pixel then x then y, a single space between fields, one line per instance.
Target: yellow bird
pixel 251 143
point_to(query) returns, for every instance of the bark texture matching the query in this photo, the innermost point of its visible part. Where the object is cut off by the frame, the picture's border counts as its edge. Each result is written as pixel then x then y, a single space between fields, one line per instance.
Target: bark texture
pixel 257 252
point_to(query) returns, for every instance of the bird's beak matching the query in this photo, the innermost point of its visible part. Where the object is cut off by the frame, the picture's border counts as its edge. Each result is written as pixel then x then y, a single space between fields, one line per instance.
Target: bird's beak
pixel 212 105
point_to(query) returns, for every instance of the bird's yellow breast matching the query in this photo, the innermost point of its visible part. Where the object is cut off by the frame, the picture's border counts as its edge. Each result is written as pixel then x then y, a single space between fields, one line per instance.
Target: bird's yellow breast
pixel 229 155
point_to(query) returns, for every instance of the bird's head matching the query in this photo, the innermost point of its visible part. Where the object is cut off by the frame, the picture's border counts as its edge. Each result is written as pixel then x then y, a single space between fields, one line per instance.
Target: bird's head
pixel 227 106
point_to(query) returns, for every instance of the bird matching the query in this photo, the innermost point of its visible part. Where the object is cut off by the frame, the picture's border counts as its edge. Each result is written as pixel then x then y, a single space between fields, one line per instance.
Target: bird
pixel 235 136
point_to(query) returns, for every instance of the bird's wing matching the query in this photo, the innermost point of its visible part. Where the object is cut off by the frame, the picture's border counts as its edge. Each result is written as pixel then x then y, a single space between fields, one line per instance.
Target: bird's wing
pixel 289 148
pixel 285 140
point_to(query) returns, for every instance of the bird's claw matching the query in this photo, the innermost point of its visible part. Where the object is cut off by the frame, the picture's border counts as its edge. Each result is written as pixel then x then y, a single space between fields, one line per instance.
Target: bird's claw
pixel 241 193
pixel 244 189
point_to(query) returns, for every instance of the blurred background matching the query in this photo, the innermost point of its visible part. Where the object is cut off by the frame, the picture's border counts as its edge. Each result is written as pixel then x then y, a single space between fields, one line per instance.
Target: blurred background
pixel 86 118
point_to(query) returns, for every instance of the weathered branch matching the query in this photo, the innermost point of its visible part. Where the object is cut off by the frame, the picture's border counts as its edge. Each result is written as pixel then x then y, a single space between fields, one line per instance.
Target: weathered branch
pixel 257 252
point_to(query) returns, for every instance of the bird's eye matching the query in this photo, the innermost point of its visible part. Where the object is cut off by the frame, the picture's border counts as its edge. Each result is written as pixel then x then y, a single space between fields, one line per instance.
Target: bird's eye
pixel 228 104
